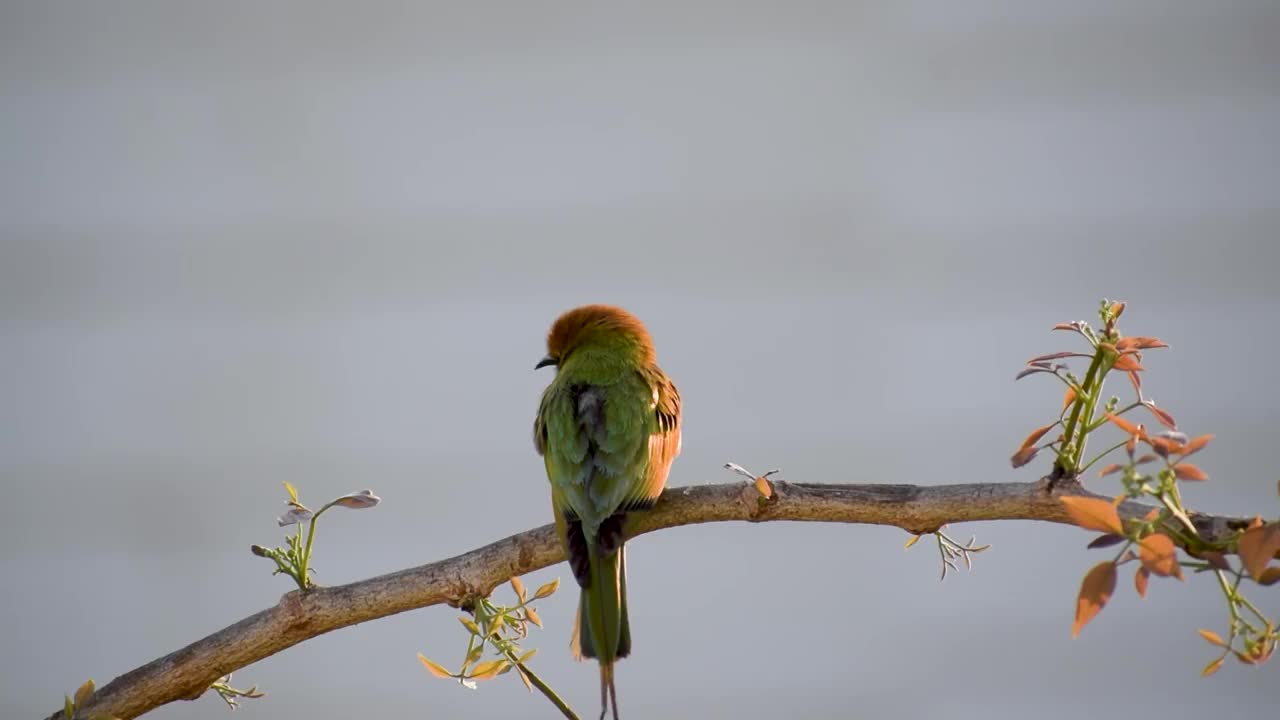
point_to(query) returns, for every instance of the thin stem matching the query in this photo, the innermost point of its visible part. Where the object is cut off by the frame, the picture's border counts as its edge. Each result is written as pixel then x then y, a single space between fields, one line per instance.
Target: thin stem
pixel 544 688
pixel 1231 597
pixel 1091 404
pixel 1101 455
pixel 1072 459
pixel 305 580
pixel 1103 420
pixel 1178 513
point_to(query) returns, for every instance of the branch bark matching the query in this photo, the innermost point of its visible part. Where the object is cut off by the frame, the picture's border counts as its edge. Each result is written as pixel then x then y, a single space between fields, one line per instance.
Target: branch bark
pixel 458 581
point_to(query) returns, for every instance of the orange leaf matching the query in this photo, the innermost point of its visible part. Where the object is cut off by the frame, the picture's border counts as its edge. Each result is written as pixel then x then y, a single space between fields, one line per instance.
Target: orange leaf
pixel 1105 540
pixel 1270 576
pixel 1257 546
pixel 763 487
pixel 1187 471
pixel 1140 343
pixel 1057 356
pixel 1212 667
pixel 1095 590
pixel 1024 456
pixel 1136 380
pixel 1124 425
pixel 1144 459
pixel 1163 446
pixel 1068 397
pixel 1151 515
pixel 1216 559
pixel 1164 417
pixel 1113 467
pixel 1159 555
pixel 1093 514
pixel 1036 435
pixel 1116 310
pixel 518 587
pixel 1212 637
pixel 1197 444
pixel 1128 363
pixel 1140 579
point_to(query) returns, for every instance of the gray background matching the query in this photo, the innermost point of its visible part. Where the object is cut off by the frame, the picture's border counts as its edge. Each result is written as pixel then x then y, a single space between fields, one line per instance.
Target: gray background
pixel 253 242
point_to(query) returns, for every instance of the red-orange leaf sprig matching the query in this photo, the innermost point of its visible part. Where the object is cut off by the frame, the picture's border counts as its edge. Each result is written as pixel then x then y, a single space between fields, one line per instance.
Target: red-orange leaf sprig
pixel 1153 540
pixel 1082 399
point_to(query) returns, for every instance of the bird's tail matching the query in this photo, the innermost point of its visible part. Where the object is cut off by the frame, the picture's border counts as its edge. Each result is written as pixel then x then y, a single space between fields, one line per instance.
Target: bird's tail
pixel 602 630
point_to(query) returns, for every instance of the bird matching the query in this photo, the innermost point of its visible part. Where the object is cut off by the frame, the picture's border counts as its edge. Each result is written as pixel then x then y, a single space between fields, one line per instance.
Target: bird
pixel 608 428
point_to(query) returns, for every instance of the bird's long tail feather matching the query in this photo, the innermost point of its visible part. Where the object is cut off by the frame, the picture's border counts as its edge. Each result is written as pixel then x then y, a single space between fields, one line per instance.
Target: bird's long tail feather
pixel 603 629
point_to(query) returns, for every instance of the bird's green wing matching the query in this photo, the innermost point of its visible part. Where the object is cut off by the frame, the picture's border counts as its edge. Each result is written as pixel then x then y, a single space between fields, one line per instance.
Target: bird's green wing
pixel 664 431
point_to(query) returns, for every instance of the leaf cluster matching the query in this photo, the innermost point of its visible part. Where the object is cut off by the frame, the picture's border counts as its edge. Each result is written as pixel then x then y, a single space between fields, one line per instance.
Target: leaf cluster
pixel 1154 539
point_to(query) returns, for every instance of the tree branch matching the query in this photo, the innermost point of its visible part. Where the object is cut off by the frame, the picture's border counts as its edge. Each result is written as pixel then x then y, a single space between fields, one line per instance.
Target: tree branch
pixel 458 581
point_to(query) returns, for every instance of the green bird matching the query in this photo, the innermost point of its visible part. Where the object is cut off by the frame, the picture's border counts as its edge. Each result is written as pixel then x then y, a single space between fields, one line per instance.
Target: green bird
pixel 608 429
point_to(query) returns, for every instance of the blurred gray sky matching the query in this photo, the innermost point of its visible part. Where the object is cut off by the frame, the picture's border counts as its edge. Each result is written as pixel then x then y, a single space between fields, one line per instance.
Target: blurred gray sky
pixel 253 242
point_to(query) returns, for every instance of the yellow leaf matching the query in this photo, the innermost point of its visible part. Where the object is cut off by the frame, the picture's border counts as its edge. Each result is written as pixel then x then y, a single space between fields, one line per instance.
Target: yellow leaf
pixel 469 624
pixel 547 589
pixel 1093 514
pixel 1095 590
pixel 1212 667
pixel 1069 397
pixel 293 493
pixel 1257 546
pixel 533 616
pixel 911 541
pixel 489 669
pixel 1212 637
pixel 762 487
pixel 433 667
pixel 518 587
pixel 84 693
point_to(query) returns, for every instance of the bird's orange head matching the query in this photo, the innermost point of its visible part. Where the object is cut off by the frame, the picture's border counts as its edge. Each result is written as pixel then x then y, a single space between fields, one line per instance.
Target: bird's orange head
pixel 602 327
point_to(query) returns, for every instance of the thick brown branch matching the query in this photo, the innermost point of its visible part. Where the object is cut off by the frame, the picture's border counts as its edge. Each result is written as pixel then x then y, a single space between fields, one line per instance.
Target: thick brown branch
pixel 187 673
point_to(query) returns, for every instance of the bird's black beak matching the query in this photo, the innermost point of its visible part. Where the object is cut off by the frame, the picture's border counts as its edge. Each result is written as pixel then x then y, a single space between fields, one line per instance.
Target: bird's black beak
pixel 548 360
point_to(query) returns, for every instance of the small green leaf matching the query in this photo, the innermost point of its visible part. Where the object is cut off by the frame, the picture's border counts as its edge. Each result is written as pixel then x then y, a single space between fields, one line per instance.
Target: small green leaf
pixel 528 654
pixel 474 655
pixel 68 707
